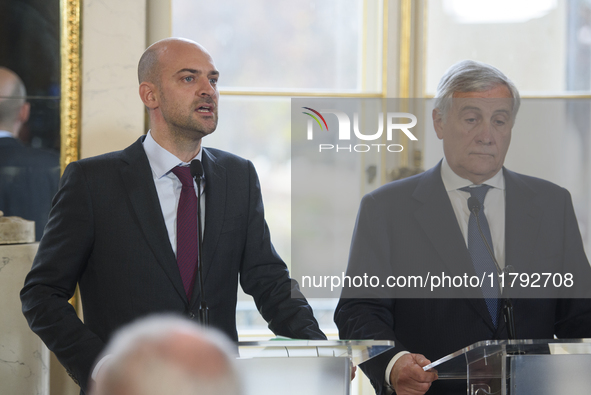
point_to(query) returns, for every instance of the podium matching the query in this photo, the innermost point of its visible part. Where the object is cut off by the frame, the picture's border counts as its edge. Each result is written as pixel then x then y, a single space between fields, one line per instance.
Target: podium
pixel 303 366
pixel 520 367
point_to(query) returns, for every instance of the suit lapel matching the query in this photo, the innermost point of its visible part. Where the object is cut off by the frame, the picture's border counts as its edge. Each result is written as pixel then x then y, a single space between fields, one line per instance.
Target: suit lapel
pixel 138 182
pixel 522 222
pixel 438 220
pixel 215 206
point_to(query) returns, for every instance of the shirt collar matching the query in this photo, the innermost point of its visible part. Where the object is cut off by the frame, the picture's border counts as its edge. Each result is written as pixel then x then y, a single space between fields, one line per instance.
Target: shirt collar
pixel 5 133
pixel 452 181
pixel 162 161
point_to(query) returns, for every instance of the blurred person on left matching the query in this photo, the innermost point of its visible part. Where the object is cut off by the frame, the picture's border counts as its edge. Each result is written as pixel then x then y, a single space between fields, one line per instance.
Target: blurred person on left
pixel 28 176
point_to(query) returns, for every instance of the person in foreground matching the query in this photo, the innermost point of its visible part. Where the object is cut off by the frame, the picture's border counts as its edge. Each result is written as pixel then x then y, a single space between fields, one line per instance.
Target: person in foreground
pixel 424 221
pixel 28 176
pixel 168 355
pixel 124 227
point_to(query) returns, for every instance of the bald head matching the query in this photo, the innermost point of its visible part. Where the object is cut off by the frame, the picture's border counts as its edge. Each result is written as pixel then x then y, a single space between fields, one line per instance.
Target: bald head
pixel 12 99
pixel 162 355
pixel 178 86
pixel 153 58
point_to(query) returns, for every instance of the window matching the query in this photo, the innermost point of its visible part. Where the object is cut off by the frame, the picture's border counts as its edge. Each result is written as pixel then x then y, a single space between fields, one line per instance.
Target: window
pixel 268 52
pixel 544 46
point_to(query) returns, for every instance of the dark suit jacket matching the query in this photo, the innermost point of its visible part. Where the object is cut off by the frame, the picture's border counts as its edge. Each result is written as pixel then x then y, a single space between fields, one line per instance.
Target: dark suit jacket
pixel 107 233
pixel 411 223
pixel 28 180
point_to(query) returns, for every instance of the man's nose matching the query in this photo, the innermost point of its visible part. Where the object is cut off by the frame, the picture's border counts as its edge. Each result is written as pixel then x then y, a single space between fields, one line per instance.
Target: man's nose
pixel 485 133
pixel 206 88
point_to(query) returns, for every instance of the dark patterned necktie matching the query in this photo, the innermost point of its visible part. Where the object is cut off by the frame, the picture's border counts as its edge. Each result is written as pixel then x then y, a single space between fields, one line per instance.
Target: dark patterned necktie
pixel 483 262
pixel 186 229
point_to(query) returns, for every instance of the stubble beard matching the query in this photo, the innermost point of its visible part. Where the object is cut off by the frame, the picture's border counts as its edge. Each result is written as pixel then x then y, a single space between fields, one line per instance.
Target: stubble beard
pixel 185 127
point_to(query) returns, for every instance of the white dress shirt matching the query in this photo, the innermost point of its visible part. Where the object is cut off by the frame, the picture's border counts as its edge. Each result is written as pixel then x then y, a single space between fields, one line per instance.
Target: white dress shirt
pixel 494 209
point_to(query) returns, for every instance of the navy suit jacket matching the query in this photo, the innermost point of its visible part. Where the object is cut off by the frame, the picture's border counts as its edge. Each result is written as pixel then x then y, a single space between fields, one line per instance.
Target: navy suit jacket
pixel 106 233
pixel 411 223
pixel 28 180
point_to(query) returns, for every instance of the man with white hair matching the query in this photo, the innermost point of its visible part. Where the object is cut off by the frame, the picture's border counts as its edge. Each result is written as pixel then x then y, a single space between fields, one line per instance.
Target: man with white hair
pixel 424 222
pixel 167 355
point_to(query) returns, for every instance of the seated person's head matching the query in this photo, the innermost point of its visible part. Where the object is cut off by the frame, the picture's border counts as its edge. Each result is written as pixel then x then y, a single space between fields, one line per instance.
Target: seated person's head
pixel 167 355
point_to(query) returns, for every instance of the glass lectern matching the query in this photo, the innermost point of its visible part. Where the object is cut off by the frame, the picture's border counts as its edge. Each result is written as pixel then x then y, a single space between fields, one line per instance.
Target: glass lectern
pixel 520 367
pixel 303 366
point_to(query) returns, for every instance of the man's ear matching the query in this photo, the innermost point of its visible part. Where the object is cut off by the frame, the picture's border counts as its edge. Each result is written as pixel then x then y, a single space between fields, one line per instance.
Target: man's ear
pixel 438 122
pixel 25 111
pixel 149 95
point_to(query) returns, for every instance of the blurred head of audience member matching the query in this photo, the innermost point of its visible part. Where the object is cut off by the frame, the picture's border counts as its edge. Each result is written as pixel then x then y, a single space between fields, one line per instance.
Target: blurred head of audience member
pixel 14 109
pixel 167 355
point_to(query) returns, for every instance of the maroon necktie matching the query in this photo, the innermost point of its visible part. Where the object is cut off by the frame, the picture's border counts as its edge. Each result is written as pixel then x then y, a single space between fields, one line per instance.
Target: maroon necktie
pixel 186 229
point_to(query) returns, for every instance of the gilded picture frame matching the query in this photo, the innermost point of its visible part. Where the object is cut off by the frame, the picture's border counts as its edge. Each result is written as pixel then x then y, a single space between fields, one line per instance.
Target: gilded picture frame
pixel 70 105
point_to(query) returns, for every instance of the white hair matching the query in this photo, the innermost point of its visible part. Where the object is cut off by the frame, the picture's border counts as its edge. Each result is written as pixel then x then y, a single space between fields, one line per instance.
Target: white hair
pixel 138 364
pixel 472 76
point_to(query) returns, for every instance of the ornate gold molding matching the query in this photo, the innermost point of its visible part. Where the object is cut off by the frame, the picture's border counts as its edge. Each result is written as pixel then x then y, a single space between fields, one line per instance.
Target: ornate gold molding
pixel 70 48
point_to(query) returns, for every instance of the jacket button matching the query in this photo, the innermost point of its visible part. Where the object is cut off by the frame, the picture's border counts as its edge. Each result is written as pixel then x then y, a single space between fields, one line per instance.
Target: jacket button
pixel 191 315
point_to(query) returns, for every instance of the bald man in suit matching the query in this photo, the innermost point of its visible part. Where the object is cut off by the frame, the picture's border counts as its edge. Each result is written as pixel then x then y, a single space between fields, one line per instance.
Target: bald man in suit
pixel 113 228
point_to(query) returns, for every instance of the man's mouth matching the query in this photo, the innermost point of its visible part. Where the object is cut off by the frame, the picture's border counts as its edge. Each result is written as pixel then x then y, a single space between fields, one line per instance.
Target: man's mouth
pixel 205 108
